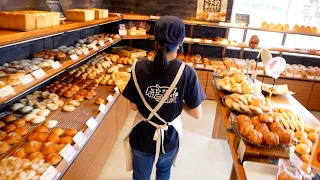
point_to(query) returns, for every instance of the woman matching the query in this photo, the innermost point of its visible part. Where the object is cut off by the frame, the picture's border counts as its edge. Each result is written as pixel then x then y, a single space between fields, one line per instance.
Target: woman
pixel 159 90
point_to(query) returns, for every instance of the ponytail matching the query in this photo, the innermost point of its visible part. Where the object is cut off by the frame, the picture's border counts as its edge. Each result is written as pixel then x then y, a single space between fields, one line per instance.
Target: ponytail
pixel 160 62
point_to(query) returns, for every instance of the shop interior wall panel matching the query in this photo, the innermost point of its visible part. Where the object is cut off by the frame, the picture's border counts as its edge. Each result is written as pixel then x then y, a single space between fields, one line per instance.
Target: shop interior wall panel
pixel 91 159
pixel 314 103
pixel 209 87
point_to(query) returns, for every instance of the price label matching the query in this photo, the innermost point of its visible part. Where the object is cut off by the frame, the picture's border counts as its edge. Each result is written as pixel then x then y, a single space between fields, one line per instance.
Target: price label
pixel 317 77
pixel 68 152
pixel 208 41
pixel 78 138
pixel 260 72
pixel 209 67
pixel 289 75
pixel 92 123
pixel 196 40
pixel 26 79
pixel 49 174
pixel 110 40
pixel 310 77
pixel 101 43
pixel 85 51
pixel 117 36
pixel 190 64
pixel 116 89
pixel 241 150
pixel 74 57
pixel 38 73
pixel 102 108
pixel 6 91
pixel 200 66
pixel 297 75
pixel 56 65
pixel 110 98
pixel 94 47
pixel 122 32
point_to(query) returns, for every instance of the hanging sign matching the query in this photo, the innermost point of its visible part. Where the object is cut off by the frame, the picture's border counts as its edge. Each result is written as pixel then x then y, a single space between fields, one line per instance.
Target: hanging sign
pixel 212 10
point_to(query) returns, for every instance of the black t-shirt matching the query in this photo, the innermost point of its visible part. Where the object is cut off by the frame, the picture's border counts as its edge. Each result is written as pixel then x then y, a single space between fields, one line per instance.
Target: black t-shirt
pixel 188 89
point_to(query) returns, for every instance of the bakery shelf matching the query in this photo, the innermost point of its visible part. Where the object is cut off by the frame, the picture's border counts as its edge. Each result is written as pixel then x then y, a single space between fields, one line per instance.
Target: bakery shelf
pixel 8 37
pixel 135 17
pixel 128 37
pixel 21 89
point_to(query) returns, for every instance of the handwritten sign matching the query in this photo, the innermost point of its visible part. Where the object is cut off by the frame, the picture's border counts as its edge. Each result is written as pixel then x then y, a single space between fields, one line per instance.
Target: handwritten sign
pixel 110 98
pixel 68 152
pixel 102 108
pixel 79 138
pixel 49 174
pixel 101 43
pixel 110 40
pixel 85 51
pixel 26 79
pixel 116 89
pixel 38 74
pixel 243 19
pixel 74 57
pixel 92 123
pixel 56 65
pixel 94 47
pixel 200 66
pixel 6 91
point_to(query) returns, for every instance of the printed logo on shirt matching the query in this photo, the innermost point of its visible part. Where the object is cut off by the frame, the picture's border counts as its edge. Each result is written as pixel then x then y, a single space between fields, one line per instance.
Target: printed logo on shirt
pixel 157 92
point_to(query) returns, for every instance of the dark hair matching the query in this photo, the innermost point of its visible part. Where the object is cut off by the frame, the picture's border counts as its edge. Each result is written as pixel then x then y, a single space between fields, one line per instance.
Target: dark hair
pixel 160 62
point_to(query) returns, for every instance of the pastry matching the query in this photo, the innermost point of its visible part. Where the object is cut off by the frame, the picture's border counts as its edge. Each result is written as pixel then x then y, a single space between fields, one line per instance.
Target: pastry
pixel 3 135
pixel 305 141
pixel 314 30
pixel 70 132
pixel 68 94
pixel 31 96
pixel 271 139
pixel 99 101
pixel 255 136
pixel 49 148
pixel 309 129
pixel 275 127
pixel 265 118
pixel 52 106
pixel 16 106
pixel 68 108
pixel 9 128
pixel 31 102
pixel 41 129
pixel 20 122
pixel 26 109
pixel 36 155
pixel 286 27
pixel 47 101
pixel 79 97
pixel 9 118
pixel 44 112
pixel 38 119
pixel 285 136
pixel 245 129
pixel 306 168
pixel 35 111
pixel 74 103
pixel 29 117
pixel 305 158
pixel 53 96
pixel 33 136
pixel 296 28
pixel 42 137
pixel 12 138
pixel 301 134
pixel 4 147
pixel 53 158
pixel 40 105
pixel 51 124
pixel 24 101
pixel 20 153
pixel 66 140
pixel 59 102
pixel 21 131
pixel 2 124
pixel 57 132
pixel 45 94
pixel 312 136
pixel 302 149
pixel 53 138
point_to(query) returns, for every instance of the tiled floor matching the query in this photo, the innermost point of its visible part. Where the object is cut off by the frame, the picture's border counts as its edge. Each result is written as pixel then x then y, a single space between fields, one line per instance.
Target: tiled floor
pixel 200 156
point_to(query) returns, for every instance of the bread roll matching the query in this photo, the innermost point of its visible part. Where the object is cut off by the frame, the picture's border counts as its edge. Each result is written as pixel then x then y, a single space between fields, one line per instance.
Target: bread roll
pixel 33 136
pixel 66 140
pixel 49 148
pixel 32 147
pixel 74 103
pixel 16 106
pixel 57 132
pixel 79 97
pixel 45 94
pixel 9 118
pixel 301 134
pixel 40 105
pixel 70 132
pixel 312 136
pixel 271 139
pixel 271 26
pixel 35 111
pixel 308 30
pixel 59 102
pixel 279 27
pixel 44 112
pixel 2 124
pixel 3 135
pixel 26 109
pixel 306 158
pixel 264 25
pixel 36 155
pixel 314 30
pixel 53 158
pixel 21 131
pixel 41 129
pixel 38 119
pixel 51 124
pixel 52 106
pixel 296 28
pixel 53 97
pixel 302 29
pixel 99 101
pixel 68 108
pixel 20 122
pixel 4 147
pixel 12 138
pixel 286 27
pixel 285 136
pixel 42 137
pixel 9 128
pixel 265 118
pixel 53 138
pixel 20 153
pixel 302 149
pixel 60 147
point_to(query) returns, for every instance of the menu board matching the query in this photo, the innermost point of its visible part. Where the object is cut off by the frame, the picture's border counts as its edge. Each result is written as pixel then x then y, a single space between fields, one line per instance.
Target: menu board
pixel 55 6
pixel 212 10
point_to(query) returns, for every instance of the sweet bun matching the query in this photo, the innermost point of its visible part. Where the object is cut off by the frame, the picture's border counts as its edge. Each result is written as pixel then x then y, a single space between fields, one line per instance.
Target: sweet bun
pixel 279 27
pixel 53 138
pixel 314 30
pixel 32 147
pixel 36 155
pixel 3 135
pixel 20 153
pixel 306 158
pixel 79 97
pixel 52 106
pixel 20 122
pixel 49 148
pixel 35 111
pixel 312 136
pixel 53 96
pixel 9 118
pixel 44 112
pixel 66 140
pixel 307 30
pixel 9 128
pixel 286 27
pixel 74 103
pixel 45 94
pixel 99 101
pixel 57 132
pixel 53 159
pixel 302 29
pixel 4 147
pixel 16 106
pixel 2 124
pixel 41 129
pixel 51 124
pixel 296 28
pixel 68 108
pixel 305 141
pixel 38 119
pixel 302 149
pixel 47 101
pixel 33 136
pixel 59 102
pixel 264 25
pixel 271 26
pixel 42 137
pixel 70 132
pixel 40 105
pixel 300 134
pixel 26 109
pixel 265 118
pixel 12 138
pixel 21 131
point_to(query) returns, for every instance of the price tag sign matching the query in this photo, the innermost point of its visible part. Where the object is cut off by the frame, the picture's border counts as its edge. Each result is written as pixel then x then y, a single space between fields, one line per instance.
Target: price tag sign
pixel 78 138
pixel 6 91
pixel 208 41
pixel 85 51
pixel 289 75
pixel 74 57
pixel 38 74
pixel 68 152
pixel 122 32
pixel 190 64
pixel 111 40
pixel 92 123
pixel 94 47
pixel 310 77
pixel 101 43
pixel 241 150
pixel 116 89
pixel 26 79
pixel 117 36
pixel 49 174
pixel 110 98
pixel 196 40
pixel 297 75
pixel 102 108
pixel 200 66
pixel 56 65
pixel 209 67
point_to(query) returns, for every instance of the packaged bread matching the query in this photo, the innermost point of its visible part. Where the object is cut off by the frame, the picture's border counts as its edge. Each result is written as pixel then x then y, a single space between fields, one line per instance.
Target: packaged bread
pixel 80 15
pixel 17 20
pixel 100 13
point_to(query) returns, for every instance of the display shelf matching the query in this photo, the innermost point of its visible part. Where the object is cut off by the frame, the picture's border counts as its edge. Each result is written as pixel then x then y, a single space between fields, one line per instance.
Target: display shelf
pixel 135 17
pixel 8 37
pixel 147 36
pixel 21 89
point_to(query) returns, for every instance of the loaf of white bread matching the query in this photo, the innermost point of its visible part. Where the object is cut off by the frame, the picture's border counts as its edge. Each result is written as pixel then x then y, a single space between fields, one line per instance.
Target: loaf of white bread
pixel 29 20
pixel 80 15
pixel 100 13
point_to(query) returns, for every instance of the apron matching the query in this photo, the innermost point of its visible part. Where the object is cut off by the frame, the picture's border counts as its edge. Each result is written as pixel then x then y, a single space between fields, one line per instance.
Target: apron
pixel 159 132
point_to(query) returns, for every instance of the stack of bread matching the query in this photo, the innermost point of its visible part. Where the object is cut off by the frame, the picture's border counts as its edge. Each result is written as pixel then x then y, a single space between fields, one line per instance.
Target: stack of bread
pixel 297 29
pixel 100 13
pixel 238 84
pixel 80 15
pixel 29 20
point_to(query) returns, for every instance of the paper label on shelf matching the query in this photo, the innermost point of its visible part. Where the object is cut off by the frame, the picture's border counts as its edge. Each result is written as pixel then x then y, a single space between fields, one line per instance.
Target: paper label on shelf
pixel 78 137
pixel 117 36
pixel 310 77
pixel 209 67
pixel 196 40
pixel 110 40
pixel 102 108
pixel 297 75
pixel 56 65
pixel 122 32
pixel 92 123
pixel 260 72
pixel 110 98
pixel 26 79
pixel 241 150
pixel 49 174
pixel 68 152
pixel 74 57
pixel 101 43
pixel 116 89
pixel 6 91
pixel 295 160
pixel 289 75
pixel 190 64
pixel 38 73
pixel 200 66
pixel 208 41
pixel 85 51
pixel 317 77
pixel 94 47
